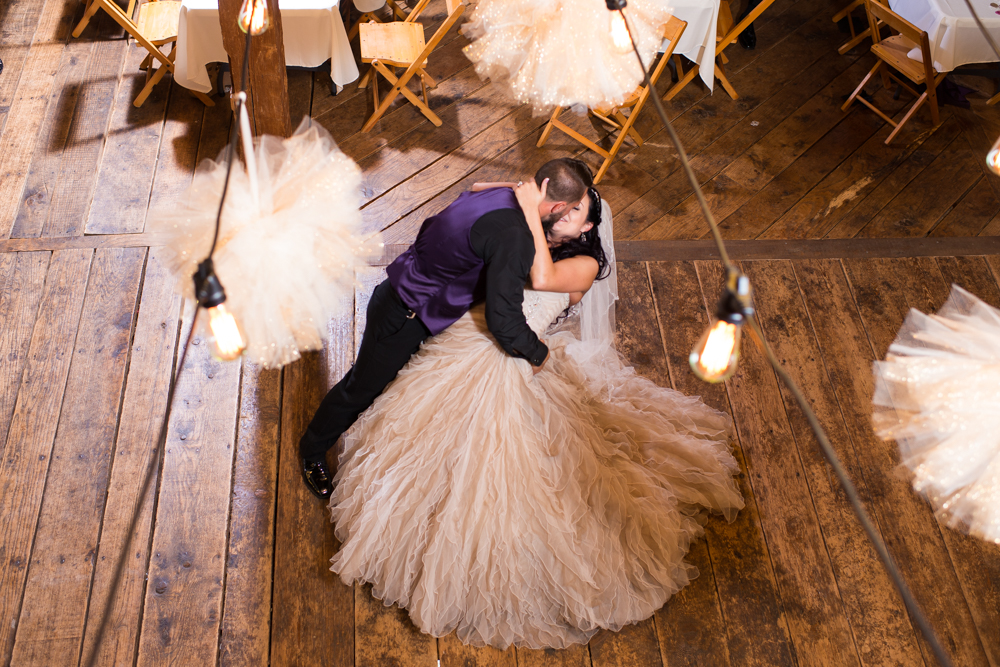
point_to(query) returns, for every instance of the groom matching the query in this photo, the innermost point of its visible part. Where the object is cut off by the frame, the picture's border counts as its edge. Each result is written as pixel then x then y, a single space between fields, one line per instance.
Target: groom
pixel 479 248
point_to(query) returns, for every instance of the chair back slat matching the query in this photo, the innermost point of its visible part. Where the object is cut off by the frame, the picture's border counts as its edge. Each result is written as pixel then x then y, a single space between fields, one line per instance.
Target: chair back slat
pixel 672 32
pixel 439 34
pixel 416 11
pixel 895 21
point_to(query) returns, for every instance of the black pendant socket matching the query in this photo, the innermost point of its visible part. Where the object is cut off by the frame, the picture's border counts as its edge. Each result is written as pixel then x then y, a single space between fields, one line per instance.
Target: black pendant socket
pixel 207 288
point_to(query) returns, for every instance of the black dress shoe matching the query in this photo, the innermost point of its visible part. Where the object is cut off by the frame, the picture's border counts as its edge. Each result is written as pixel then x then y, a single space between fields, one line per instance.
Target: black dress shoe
pixel 317 478
pixel 748 38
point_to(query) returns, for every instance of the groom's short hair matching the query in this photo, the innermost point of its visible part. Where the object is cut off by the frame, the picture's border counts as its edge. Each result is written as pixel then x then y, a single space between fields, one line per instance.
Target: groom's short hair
pixel 568 179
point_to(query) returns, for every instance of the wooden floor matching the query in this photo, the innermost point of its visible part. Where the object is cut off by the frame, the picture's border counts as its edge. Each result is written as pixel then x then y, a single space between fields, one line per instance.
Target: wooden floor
pixel 229 562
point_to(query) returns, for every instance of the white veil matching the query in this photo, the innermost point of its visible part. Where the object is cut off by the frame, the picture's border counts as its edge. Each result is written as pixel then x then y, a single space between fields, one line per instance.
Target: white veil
pixel 593 319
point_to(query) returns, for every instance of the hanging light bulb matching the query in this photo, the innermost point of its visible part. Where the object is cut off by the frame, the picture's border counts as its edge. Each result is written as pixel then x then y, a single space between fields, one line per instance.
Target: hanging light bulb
pixel 993 158
pixel 715 356
pixel 619 29
pixel 222 333
pixel 254 17
pixel 619 32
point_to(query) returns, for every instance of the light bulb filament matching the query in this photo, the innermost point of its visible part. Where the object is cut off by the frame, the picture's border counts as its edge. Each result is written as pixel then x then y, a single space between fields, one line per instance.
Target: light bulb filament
pixel 619 32
pixel 253 17
pixel 228 343
pixel 715 357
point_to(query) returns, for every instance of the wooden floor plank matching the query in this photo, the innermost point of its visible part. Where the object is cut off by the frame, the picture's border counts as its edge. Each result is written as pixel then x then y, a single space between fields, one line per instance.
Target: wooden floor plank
pixel 794 63
pixel 756 628
pixel 245 636
pixel 848 186
pixel 928 197
pixel 881 631
pixel 129 158
pixel 22 282
pixel 300 92
pixel 816 618
pixel 28 445
pixel 689 628
pixel 23 125
pixel 173 164
pixel 50 628
pixel 312 608
pixel 415 191
pixel 574 656
pixel 738 149
pixel 763 161
pixel 851 337
pixel 796 41
pixel 18 22
pixel 45 169
pixel 970 215
pixel 75 187
pixel 823 157
pixel 143 406
pixel 859 211
pixel 25 29
pixel 386 636
pixel 453 653
pixel 183 604
pixel 633 646
pixel 393 193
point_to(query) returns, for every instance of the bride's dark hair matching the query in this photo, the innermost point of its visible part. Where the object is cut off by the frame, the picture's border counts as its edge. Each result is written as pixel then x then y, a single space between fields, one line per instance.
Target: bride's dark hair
pixel 589 242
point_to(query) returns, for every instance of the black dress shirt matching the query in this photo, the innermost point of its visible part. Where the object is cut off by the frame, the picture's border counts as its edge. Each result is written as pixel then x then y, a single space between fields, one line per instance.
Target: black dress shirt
pixel 503 241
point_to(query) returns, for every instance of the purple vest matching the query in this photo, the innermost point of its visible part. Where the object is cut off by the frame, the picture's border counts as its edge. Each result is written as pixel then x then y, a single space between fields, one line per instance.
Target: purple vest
pixel 439 277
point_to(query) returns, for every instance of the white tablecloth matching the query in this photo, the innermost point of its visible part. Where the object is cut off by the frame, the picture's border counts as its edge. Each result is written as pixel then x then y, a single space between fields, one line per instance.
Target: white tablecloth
pixel 313 33
pixel 697 44
pixel 952 32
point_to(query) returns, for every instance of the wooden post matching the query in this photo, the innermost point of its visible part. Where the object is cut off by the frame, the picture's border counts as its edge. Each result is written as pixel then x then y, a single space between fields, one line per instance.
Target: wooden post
pixel 268 81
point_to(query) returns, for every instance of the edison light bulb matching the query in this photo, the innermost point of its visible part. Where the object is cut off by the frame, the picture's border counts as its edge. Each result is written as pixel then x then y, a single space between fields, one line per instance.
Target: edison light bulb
pixel 993 158
pixel 224 337
pixel 619 32
pixel 254 17
pixel 714 357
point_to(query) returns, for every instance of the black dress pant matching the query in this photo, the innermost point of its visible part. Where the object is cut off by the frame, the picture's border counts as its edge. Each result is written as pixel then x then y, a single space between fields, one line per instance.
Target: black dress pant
pixel 392 335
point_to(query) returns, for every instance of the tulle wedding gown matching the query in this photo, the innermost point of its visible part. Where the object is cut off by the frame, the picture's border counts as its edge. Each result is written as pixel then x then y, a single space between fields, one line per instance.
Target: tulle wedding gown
pixel 937 395
pixel 523 509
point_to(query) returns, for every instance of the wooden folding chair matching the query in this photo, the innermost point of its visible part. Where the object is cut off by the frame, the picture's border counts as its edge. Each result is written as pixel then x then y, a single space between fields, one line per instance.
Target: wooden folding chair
pixel 727 33
pixel 614 116
pixel 856 37
pixel 401 44
pixel 372 17
pixel 155 26
pixel 892 58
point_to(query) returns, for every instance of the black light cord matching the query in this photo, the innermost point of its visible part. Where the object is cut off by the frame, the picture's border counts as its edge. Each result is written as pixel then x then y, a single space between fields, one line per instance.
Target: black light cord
pixel 831 456
pixel 161 441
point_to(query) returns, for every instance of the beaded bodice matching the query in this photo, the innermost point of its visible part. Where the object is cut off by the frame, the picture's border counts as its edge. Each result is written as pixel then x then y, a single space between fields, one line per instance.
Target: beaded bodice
pixel 541 308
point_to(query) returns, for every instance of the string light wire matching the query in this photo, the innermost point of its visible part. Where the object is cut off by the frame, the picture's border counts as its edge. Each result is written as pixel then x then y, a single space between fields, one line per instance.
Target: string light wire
pixel 828 452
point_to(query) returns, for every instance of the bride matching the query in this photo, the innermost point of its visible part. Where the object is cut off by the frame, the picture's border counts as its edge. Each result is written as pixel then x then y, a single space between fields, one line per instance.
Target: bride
pixel 530 509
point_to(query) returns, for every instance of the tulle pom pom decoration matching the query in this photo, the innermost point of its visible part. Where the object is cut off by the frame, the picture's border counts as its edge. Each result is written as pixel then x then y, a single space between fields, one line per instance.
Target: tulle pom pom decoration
pixel 937 394
pixel 567 53
pixel 290 240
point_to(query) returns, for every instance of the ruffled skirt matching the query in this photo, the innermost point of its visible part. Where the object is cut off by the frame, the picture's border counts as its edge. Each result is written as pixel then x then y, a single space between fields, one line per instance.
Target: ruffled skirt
pixel 521 509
